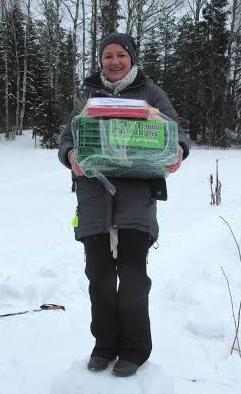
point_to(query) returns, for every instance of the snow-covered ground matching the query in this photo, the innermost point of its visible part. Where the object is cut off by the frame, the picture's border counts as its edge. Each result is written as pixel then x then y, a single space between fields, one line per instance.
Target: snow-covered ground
pixel 192 326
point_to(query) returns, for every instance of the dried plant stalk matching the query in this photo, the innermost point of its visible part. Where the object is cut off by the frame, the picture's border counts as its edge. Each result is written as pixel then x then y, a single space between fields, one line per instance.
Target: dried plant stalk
pixel 236 321
pixel 235 239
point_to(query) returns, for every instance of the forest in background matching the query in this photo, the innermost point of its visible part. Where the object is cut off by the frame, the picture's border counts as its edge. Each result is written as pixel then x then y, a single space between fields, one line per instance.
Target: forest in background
pixel 192 49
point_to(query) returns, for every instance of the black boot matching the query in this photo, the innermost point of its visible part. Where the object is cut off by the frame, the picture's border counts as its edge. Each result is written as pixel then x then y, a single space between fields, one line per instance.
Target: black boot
pixel 124 368
pixel 98 364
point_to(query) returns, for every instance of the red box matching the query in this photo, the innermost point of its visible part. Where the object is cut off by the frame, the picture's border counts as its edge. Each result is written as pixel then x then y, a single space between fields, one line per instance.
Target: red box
pixel 99 112
pixel 116 108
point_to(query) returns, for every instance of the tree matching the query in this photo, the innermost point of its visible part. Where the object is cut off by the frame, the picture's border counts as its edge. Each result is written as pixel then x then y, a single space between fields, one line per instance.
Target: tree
pixel 4 81
pixel 25 68
pixel 51 108
pixel 201 70
pixel 151 58
pixel 18 39
pixel 94 30
pixel 36 77
pixel 142 16
pixel 109 16
pixel 233 91
pixel 67 77
pixel 185 80
pixel 196 8
pixel 216 44
pixel 167 33
pixel 74 13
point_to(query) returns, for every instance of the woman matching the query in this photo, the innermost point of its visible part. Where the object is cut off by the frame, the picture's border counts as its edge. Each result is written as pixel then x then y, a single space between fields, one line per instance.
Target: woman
pixel 118 282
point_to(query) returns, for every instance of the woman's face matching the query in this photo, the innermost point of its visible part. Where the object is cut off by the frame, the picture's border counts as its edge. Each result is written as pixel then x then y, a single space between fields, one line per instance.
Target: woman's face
pixel 116 62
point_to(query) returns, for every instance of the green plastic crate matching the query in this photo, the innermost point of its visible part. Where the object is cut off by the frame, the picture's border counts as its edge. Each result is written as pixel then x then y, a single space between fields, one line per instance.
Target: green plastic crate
pixel 125 148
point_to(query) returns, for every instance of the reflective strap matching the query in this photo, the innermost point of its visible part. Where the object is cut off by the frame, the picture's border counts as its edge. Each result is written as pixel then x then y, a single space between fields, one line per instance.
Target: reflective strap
pixel 114 241
pixel 156 245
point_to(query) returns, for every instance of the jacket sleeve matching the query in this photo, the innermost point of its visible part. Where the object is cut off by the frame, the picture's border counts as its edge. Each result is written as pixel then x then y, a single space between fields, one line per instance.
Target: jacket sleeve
pixel 160 100
pixel 66 144
pixel 66 139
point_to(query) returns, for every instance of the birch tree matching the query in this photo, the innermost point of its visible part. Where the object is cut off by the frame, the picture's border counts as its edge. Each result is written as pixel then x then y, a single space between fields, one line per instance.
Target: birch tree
pixel 83 57
pixel 234 71
pixel 6 61
pixel 196 7
pixel 17 71
pixel 25 68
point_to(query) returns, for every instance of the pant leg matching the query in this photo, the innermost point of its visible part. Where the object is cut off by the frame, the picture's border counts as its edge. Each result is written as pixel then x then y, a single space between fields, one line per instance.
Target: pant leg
pixel 134 287
pixel 102 275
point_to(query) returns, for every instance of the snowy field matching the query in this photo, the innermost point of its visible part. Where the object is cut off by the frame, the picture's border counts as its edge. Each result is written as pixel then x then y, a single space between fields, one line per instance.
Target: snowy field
pixel 192 326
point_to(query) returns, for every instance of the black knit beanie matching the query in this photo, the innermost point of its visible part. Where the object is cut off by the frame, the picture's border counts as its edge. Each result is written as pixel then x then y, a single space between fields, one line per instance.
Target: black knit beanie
pixel 126 41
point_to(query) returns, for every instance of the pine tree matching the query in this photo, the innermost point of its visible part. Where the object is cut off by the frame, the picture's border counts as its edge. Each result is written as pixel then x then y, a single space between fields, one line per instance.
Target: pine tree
pixel 186 81
pixel 215 49
pixel 201 73
pixel 36 80
pixel 151 60
pixel 51 37
pixel 158 50
pixel 167 32
pixel 67 58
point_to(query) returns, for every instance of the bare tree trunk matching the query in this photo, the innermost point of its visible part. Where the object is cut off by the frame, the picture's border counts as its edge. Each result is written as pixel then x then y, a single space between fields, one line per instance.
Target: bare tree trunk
pixel 139 26
pixel 51 63
pixel 235 24
pixel 6 93
pixel 195 7
pixel 75 19
pixel 77 7
pixel 131 17
pixel 165 71
pixel 25 68
pixel 5 57
pixel 17 114
pixel 57 52
pixel 94 35
pixel 83 40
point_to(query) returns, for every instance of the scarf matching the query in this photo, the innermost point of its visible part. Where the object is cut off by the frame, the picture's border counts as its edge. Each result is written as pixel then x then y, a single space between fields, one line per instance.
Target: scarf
pixel 118 86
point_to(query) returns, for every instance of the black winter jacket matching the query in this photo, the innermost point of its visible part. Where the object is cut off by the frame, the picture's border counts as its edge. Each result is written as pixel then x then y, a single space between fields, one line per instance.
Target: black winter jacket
pixel 133 205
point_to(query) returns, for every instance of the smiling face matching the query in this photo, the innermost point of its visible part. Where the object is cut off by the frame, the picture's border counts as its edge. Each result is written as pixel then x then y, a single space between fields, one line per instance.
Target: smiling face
pixel 116 62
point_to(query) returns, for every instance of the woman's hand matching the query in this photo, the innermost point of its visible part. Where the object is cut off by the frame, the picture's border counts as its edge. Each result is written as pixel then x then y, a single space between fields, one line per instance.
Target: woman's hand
pixel 74 165
pixel 174 167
